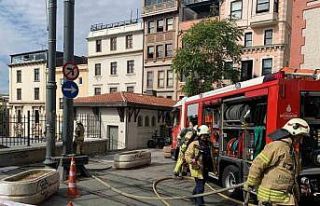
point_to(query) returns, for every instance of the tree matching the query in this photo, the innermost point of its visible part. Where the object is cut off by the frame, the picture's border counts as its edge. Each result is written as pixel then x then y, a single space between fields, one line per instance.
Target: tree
pixel 206 48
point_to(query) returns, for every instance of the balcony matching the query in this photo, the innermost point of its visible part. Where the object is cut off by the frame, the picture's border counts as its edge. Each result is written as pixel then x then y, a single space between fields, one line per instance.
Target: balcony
pixel 159 8
pixel 199 9
pixel 263 20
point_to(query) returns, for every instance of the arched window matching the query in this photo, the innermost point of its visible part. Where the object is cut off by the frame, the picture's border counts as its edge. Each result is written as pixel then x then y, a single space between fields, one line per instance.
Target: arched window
pixel 139 121
pixel 146 121
pixel 153 121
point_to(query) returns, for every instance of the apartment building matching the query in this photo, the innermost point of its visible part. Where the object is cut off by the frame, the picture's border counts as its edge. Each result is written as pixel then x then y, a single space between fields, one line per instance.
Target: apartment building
pixel 161 21
pixel 115 57
pixel 305 41
pixel 266 28
pixel 27 82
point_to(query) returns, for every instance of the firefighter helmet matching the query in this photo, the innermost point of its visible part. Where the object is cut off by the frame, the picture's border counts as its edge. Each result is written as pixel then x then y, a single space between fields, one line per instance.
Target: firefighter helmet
pixel 203 129
pixel 293 127
pixel 297 126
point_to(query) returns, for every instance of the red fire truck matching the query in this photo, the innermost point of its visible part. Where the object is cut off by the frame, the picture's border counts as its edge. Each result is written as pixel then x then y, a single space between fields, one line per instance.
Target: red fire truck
pixel 241 116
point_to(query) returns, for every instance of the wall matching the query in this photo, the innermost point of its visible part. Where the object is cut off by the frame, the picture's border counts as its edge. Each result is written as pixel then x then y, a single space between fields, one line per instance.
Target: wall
pixel 311 49
pixel 27 85
pixel 34 154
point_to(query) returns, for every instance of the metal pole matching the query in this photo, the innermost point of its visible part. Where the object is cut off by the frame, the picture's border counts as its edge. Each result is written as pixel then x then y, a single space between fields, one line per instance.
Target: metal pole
pixel 51 83
pixel 68 48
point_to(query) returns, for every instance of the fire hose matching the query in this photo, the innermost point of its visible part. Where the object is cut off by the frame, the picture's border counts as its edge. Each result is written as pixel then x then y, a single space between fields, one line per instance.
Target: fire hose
pixel 163 199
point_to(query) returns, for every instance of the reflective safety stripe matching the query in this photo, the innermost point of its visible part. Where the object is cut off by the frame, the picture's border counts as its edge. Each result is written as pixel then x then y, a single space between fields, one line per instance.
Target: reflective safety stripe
pixel 264 158
pixel 266 194
pixel 251 181
pixel 72 185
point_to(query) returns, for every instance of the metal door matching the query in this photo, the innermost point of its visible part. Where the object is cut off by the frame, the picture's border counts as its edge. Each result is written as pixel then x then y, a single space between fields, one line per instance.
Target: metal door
pixel 113 137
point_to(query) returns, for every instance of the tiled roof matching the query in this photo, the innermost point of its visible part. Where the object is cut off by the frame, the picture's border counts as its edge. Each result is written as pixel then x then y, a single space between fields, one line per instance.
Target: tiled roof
pixel 124 97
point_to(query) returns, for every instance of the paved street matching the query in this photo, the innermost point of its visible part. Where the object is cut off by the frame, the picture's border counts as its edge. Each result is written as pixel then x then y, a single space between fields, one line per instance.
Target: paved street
pixel 135 181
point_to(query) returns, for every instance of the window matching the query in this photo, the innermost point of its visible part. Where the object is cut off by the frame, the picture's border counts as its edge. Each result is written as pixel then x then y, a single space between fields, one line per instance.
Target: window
pixel 161 79
pixel 150 27
pixel 139 121
pixel 130 89
pixel 266 66
pixel 169 78
pixel 146 121
pixel 19 94
pixel 276 6
pixel 97 91
pixel 268 37
pixel 169 24
pixel 36 75
pixel 36 93
pixel 149 79
pixel 263 6
pixel 169 52
pixel 130 67
pixel 113 68
pixel 160 51
pixel 80 80
pixel 150 52
pixel 98 45
pixel 129 40
pixel 113 43
pixel 113 89
pixel 19 115
pixel 60 103
pixel 236 10
pixel 160 25
pixel 36 116
pixel 153 121
pixel 19 77
pixel 248 39
pixel 97 69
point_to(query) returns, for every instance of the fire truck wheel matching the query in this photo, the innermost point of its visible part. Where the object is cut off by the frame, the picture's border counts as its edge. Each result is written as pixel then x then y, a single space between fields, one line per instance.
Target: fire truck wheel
pixel 231 177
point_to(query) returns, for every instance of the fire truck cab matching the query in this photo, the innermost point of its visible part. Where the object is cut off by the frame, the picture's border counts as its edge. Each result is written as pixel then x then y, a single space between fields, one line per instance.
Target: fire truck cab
pixel 241 116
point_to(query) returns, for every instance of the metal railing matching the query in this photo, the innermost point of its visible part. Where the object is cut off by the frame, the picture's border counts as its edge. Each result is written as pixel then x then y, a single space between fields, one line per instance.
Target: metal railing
pixel 26 130
pixel 101 26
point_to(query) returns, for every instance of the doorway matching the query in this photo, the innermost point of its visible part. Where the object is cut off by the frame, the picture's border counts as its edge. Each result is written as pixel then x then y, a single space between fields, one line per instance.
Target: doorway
pixel 113 137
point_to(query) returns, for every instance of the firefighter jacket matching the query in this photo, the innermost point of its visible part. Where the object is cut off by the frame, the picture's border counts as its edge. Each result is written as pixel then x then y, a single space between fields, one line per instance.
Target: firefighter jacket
pixel 199 158
pixel 274 171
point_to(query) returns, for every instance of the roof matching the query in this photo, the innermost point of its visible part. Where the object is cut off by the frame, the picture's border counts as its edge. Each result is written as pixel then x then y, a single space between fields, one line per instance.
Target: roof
pixel 124 99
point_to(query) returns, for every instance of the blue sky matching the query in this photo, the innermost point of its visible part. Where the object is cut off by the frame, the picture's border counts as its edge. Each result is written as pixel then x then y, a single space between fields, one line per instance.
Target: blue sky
pixel 23 26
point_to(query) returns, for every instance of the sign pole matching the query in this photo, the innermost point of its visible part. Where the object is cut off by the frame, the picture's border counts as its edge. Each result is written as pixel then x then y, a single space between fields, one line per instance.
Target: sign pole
pixel 51 84
pixel 68 47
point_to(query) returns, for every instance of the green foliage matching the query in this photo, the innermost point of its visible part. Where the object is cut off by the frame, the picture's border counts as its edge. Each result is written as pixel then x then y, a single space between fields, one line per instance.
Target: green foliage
pixel 206 47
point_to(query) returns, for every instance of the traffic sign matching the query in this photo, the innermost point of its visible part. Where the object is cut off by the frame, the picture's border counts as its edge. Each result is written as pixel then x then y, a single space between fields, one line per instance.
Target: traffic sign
pixel 70 89
pixel 70 71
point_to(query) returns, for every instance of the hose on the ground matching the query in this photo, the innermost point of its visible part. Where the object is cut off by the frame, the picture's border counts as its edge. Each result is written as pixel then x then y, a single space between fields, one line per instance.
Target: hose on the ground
pixel 158 197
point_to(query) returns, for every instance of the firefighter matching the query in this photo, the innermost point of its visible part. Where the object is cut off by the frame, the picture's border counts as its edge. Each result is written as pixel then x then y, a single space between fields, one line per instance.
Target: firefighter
pixel 79 138
pixel 180 168
pixel 199 158
pixel 274 171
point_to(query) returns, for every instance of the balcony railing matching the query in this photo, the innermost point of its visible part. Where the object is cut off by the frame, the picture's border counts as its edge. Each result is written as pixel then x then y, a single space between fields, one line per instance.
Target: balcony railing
pixel 189 2
pixel 160 7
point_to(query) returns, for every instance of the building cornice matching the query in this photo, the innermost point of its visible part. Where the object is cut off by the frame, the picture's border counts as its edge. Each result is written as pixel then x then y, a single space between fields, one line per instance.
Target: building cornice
pixel 265 48
pixel 27 64
pixel 106 36
pixel 117 54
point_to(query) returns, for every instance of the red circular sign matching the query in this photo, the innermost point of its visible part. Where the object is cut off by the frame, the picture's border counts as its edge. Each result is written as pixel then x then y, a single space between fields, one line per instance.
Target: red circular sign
pixel 70 71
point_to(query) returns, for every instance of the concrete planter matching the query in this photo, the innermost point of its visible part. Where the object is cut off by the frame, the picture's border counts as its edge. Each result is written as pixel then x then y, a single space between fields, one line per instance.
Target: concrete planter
pixel 167 151
pixel 132 159
pixel 31 187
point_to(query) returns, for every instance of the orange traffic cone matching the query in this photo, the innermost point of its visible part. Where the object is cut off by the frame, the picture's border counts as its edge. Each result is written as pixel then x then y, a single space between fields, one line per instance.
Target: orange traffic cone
pixel 70 204
pixel 73 192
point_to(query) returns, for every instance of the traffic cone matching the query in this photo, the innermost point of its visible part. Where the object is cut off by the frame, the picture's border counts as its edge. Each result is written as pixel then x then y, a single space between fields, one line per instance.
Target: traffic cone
pixel 70 204
pixel 73 192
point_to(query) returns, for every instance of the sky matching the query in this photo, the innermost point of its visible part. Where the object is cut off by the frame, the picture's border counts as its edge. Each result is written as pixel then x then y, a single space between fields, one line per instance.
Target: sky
pixel 23 26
